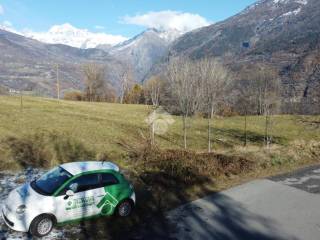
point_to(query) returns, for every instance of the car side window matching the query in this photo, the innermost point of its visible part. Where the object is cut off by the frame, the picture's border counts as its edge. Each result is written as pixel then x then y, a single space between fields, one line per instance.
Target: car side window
pixel 108 179
pixel 84 183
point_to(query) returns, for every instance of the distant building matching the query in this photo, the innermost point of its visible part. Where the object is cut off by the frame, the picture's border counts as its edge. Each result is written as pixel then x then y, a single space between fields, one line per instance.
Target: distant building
pixel 28 93
pixel 14 91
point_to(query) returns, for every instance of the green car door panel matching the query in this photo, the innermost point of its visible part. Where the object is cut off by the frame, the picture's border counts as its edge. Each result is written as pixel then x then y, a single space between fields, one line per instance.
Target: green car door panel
pixel 108 200
pixel 114 195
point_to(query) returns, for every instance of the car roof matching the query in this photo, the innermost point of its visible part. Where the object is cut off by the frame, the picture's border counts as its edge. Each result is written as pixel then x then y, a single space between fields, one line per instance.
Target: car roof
pixel 81 167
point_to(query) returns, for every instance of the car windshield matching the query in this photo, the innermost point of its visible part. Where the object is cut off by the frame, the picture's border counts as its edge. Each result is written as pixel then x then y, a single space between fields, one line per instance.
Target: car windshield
pixel 48 183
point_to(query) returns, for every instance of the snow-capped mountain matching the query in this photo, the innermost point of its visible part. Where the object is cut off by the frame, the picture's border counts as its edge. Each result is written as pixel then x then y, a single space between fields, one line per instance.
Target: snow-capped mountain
pixel 26 63
pixel 69 35
pixel 169 35
pixel 82 38
pixel 150 35
pixel 144 50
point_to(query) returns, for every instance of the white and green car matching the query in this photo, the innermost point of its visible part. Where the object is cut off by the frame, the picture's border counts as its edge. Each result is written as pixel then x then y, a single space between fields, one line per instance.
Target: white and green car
pixel 70 192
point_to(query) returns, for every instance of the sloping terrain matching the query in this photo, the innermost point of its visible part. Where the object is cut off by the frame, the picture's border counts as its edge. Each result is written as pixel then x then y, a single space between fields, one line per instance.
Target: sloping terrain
pixel 48 132
pixel 283 33
pixel 27 64
pixel 144 50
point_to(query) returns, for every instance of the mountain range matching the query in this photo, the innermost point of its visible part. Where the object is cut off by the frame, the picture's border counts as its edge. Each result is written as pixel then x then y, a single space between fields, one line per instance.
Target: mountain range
pixel 28 64
pixel 281 33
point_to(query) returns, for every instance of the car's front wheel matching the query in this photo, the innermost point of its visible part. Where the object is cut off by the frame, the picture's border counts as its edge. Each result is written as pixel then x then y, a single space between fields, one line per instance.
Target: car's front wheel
pixel 42 225
pixel 125 208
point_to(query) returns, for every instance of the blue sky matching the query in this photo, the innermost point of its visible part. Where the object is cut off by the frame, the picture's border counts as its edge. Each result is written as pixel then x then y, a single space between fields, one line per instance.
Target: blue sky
pixel 40 15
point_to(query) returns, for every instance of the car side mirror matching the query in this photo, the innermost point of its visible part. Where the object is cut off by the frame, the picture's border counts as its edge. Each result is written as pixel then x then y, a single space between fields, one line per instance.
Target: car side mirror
pixel 70 193
pixel 73 187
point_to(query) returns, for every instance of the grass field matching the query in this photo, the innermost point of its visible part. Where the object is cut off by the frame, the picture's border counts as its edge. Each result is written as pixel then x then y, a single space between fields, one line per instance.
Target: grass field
pixel 45 132
pixel 98 128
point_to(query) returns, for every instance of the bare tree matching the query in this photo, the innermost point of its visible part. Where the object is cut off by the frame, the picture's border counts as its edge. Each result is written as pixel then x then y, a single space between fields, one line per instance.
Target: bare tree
pixel 246 101
pixel 152 90
pixel 270 97
pixel 185 86
pixel 94 81
pixel 125 80
pixel 214 79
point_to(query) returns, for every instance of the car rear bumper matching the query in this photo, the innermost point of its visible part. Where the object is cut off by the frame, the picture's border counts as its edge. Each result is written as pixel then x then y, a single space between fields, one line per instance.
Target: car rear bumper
pixel 14 222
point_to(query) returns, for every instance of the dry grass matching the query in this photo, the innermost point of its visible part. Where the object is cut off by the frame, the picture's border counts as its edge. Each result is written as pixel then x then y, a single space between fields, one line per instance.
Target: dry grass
pixel 98 128
pixel 48 132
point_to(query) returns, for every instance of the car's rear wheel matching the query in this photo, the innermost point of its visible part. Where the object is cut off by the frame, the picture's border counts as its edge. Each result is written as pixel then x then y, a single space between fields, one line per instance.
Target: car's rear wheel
pixel 125 208
pixel 42 225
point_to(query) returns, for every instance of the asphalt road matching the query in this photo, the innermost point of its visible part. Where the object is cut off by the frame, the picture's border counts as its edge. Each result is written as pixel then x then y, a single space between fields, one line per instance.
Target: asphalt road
pixel 283 207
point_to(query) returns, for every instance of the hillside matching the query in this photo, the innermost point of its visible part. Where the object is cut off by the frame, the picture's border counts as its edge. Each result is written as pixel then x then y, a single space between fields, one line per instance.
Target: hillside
pixel 28 64
pixel 102 128
pixel 283 33
pixel 144 50
pixel 47 132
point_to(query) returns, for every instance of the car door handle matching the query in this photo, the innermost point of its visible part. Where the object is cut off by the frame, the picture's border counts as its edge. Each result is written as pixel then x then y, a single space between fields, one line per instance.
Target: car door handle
pixel 101 195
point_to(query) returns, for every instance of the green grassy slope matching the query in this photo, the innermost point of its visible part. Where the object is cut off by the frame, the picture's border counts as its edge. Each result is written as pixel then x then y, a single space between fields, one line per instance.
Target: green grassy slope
pixel 58 131
pixel 99 127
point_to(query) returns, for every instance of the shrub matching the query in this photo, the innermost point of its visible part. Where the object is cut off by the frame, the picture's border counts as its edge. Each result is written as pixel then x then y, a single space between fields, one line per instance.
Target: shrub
pixel 74 96
pixel 44 149
pixel 186 167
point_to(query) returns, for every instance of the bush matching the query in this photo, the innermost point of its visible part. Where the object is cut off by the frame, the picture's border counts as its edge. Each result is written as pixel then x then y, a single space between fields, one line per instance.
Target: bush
pixel 41 150
pixel 187 167
pixel 74 96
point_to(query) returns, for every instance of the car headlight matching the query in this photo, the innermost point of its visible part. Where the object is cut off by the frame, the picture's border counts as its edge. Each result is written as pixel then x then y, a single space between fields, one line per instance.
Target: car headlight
pixel 21 209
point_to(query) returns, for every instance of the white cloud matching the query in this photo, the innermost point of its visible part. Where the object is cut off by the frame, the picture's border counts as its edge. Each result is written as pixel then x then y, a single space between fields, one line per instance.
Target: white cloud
pixel 7 26
pixel 166 20
pixel 72 36
pixel 1 10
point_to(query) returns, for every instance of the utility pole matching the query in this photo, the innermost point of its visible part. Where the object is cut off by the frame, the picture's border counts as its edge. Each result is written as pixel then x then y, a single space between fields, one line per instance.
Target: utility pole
pixel 58 82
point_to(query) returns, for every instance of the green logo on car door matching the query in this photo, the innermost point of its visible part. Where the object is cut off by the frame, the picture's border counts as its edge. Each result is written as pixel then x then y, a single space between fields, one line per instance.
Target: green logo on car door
pixel 80 203
pixel 107 204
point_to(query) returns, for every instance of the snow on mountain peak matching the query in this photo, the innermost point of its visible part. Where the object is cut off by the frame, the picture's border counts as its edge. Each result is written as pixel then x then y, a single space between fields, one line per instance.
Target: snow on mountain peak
pixel 75 37
pixel 170 35
pixel 303 2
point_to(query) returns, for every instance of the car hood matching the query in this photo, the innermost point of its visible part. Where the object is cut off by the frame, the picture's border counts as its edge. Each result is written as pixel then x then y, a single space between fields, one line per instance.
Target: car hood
pixel 22 195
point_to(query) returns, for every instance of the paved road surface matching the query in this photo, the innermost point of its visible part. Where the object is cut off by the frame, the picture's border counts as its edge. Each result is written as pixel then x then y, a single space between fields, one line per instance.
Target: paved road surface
pixel 283 207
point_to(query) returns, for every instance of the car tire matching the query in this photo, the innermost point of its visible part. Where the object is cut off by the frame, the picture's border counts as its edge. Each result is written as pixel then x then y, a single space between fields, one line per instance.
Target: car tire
pixel 124 208
pixel 42 225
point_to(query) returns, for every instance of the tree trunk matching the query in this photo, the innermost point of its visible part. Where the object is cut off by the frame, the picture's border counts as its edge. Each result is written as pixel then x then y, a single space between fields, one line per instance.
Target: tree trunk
pixel 266 131
pixel 209 134
pixel 245 129
pixel 185 131
pixel 210 117
pixel 21 101
pixel 260 102
pixel 152 129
